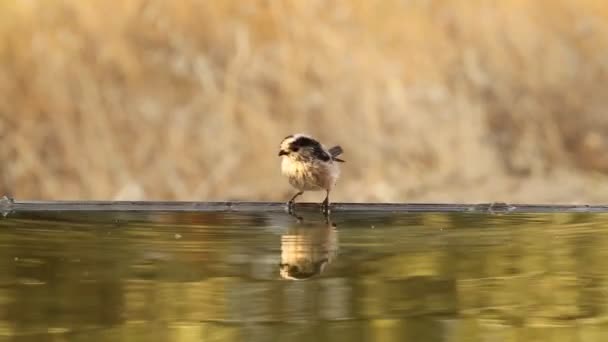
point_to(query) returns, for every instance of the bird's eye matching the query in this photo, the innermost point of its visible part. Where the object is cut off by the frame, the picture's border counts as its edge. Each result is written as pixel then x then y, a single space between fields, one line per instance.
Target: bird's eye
pixel 295 149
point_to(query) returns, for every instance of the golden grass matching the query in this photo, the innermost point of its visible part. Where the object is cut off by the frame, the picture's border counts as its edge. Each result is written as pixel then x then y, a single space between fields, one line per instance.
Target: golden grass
pixel 432 100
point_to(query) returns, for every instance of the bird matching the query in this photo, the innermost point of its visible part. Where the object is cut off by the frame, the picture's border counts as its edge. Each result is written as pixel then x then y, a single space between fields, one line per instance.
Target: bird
pixel 309 166
pixel 307 249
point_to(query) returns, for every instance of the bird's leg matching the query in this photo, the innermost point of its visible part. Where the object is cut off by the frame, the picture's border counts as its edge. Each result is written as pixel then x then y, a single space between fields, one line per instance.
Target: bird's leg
pixel 291 202
pixel 325 204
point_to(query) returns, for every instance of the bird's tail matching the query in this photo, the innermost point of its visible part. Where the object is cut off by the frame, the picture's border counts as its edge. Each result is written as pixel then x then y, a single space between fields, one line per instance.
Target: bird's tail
pixel 336 151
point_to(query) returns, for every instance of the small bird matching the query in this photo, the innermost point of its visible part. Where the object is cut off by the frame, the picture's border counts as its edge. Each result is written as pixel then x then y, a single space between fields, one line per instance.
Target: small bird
pixel 307 249
pixel 309 166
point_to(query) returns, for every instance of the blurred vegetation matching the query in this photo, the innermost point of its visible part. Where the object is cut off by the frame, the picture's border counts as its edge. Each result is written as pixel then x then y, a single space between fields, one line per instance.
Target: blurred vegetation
pixel 432 100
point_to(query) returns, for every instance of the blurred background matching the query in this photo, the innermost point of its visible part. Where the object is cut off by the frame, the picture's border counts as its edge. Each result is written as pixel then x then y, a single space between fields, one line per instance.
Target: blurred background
pixel 432 100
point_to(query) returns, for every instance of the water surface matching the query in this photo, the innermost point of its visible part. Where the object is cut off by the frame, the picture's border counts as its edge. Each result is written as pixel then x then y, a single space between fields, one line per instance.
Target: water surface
pixel 265 276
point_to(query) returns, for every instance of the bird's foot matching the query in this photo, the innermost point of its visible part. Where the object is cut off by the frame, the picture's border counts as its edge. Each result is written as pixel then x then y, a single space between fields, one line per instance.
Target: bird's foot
pixel 291 205
pixel 291 210
pixel 325 208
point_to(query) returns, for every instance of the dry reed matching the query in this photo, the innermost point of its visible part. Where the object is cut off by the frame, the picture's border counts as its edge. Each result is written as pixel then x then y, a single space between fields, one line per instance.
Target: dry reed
pixel 432 100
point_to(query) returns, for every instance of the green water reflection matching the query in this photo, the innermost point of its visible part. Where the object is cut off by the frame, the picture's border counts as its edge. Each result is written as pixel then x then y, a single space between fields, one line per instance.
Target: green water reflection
pixel 230 277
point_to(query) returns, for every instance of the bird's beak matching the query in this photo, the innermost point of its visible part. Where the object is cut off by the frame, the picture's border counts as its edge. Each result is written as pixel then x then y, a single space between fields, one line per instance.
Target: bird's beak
pixel 283 153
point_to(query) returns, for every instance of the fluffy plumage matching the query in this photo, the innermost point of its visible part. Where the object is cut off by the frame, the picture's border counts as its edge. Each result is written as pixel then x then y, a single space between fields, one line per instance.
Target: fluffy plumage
pixel 306 250
pixel 309 166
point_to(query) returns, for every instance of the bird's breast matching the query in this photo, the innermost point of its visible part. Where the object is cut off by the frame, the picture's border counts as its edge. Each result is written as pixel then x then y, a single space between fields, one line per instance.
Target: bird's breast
pixel 309 175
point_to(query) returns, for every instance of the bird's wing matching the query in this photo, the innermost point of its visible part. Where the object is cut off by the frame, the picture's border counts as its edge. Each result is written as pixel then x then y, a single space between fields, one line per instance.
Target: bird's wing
pixel 320 153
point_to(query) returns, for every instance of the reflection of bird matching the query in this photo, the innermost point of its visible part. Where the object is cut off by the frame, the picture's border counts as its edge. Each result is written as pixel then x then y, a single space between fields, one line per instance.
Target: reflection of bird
pixel 306 250
pixel 309 166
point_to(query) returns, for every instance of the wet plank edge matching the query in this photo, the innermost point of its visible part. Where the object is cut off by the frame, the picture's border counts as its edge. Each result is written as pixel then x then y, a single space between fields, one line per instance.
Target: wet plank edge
pixel 8 205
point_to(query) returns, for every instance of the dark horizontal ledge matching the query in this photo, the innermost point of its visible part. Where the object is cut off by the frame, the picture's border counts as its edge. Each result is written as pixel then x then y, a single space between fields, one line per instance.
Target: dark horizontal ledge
pixel 9 205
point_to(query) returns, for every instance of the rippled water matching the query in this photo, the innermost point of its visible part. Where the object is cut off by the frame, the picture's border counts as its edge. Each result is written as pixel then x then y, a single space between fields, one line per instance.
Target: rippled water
pixel 185 276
